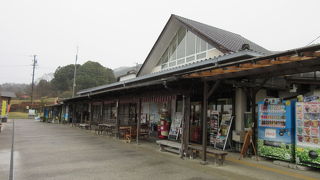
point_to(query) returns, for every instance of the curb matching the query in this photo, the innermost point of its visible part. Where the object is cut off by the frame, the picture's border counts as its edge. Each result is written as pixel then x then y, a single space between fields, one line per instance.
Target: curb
pixel 291 165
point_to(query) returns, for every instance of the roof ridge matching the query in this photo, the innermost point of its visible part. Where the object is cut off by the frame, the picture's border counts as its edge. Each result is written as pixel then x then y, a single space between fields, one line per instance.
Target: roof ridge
pixel 177 16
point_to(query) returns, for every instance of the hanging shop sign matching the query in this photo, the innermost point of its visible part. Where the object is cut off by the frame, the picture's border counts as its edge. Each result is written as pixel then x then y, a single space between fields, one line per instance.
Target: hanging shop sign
pixel 158 99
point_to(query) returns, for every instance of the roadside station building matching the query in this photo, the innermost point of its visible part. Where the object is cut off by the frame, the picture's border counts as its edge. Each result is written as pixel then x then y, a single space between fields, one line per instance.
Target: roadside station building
pixel 193 72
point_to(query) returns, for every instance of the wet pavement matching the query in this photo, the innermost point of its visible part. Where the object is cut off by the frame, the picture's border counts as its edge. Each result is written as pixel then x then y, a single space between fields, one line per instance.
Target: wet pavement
pixel 54 151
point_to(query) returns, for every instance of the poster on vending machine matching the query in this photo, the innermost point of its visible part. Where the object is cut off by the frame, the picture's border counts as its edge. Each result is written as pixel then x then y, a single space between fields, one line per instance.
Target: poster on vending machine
pixel 308 133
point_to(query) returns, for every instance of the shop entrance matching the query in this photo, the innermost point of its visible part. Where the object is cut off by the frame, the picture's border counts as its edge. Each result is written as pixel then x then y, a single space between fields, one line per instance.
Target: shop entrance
pixel 196 122
pixel 216 109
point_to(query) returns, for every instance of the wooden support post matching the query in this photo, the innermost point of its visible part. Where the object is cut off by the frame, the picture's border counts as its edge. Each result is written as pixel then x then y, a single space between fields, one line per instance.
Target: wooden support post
pixel 90 113
pixel 102 112
pixel 73 113
pixel 215 87
pixel 138 120
pixel 253 113
pixel 81 113
pixel 117 120
pixel 183 127
pixel 186 129
pixel 204 122
pixel 60 115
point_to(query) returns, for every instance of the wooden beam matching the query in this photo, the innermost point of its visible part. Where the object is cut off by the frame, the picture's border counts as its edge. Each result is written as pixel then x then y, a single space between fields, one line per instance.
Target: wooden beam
pixel 293 58
pixel 279 62
pixel 264 62
pixel 311 54
pixel 249 66
pixel 230 71
pixel 219 70
pixel 252 65
pixel 215 86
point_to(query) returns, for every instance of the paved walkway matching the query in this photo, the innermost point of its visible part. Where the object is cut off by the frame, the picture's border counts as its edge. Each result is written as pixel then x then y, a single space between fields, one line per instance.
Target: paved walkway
pixel 52 151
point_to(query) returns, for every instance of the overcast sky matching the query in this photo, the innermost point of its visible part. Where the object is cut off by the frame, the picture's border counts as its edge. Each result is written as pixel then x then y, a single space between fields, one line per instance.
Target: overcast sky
pixel 121 33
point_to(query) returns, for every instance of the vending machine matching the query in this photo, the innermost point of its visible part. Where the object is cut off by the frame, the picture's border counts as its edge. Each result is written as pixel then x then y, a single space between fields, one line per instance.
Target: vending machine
pixel 276 133
pixel 308 133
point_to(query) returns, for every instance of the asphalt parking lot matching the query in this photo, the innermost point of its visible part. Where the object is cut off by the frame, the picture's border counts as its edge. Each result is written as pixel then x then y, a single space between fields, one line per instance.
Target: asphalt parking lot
pixel 53 151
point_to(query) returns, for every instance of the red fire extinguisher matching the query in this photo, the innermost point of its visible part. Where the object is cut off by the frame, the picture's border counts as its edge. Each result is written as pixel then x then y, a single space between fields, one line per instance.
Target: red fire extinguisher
pixel 164 129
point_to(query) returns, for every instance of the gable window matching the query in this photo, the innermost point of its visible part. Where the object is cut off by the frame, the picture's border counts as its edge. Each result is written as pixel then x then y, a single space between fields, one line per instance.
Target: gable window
pixel 184 48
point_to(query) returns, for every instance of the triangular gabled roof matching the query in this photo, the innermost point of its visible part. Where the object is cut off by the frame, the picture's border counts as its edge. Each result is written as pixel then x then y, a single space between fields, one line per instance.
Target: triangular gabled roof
pixel 223 40
pixel 228 40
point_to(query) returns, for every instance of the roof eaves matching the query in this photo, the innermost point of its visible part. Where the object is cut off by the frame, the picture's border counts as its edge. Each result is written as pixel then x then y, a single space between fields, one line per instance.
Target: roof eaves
pixel 170 71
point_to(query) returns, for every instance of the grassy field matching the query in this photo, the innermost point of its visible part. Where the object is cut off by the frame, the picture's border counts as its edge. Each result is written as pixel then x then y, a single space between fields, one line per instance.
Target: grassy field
pixel 18 115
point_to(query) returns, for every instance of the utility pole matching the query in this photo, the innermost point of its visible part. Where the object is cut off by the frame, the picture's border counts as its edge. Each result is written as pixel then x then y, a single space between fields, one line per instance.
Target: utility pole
pixel 34 66
pixel 75 73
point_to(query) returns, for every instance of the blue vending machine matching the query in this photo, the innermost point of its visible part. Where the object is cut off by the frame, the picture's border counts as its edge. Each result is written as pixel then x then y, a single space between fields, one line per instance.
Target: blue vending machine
pixel 276 129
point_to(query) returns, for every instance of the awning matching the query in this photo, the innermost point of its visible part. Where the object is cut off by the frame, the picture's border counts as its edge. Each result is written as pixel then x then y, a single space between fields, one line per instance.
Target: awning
pixel 286 63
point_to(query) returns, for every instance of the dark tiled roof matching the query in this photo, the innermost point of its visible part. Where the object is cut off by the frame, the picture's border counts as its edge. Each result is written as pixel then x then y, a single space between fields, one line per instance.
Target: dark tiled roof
pixel 229 40
pixel 7 94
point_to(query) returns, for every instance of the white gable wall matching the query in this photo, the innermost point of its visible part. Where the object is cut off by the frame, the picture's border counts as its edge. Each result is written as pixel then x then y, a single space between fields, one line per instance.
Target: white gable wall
pixel 152 64
pixel 159 48
pixel 184 48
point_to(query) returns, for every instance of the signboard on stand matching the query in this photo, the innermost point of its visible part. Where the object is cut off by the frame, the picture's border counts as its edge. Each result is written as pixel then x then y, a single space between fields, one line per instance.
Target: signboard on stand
pixel 224 130
pixel 175 128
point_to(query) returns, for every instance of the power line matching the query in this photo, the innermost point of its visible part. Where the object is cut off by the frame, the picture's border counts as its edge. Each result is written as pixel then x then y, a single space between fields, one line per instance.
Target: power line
pixel 313 41
pixel 14 66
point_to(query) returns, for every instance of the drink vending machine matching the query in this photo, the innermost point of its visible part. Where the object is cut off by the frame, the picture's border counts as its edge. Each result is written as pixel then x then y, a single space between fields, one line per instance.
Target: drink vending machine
pixel 276 129
pixel 308 133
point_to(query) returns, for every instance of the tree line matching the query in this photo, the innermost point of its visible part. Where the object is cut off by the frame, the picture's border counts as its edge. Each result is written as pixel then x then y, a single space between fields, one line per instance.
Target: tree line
pixel 90 74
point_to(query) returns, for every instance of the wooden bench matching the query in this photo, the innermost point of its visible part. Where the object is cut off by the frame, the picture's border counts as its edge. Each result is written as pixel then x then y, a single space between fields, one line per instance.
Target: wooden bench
pixel 105 128
pixel 220 156
pixel 170 146
pixel 85 126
